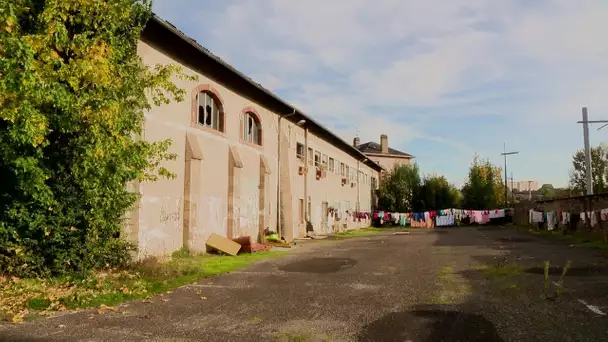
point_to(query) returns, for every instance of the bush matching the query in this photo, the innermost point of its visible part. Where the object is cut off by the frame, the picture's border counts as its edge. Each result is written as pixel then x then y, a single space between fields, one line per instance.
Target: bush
pixel 72 96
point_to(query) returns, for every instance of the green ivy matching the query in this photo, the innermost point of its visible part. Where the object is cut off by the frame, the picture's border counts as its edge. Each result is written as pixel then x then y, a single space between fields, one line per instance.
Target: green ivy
pixel 73 91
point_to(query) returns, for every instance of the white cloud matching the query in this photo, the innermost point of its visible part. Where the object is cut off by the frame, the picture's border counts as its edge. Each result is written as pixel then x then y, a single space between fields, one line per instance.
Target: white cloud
pixel 395 66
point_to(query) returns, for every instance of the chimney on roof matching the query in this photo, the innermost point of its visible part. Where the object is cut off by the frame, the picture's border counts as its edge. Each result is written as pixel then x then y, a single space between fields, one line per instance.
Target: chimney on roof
pixel 384 143
pixel 356 142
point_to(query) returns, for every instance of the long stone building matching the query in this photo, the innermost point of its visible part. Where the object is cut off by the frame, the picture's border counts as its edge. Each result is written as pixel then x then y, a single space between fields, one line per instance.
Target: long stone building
pixel 245 158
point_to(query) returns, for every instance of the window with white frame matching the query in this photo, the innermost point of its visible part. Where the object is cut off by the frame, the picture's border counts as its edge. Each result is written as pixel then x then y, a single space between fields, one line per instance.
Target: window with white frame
pixel 343 170
pixel 347 175
pixel 324 160
pixel 317 158
pixel 332 164
pixel 209 112
pixel 310 154
pixel 300 151
pixel 253 129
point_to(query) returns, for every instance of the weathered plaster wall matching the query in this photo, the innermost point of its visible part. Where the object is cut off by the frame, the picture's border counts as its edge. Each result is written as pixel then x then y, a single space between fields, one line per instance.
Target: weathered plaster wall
pixel 224 185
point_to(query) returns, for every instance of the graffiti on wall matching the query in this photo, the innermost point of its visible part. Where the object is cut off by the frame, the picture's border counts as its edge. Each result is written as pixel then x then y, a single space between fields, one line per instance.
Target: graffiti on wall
pixel 169 214
pixel 249 209
pixel 160 228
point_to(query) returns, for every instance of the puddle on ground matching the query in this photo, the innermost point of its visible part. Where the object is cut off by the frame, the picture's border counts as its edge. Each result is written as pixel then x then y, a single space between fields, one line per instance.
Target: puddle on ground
pixel 430 325
pixel 319 265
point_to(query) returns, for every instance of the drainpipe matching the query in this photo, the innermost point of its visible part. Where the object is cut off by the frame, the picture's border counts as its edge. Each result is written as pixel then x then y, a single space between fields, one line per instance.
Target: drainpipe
pixel 306 213
pixel 358 180
pixel 279 223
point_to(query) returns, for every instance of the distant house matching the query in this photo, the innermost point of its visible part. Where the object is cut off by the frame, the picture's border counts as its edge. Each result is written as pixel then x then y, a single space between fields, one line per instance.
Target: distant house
pixel 382 154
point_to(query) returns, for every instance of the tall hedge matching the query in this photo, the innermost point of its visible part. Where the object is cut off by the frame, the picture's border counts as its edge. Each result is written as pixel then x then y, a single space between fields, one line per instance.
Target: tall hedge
pixel 72 96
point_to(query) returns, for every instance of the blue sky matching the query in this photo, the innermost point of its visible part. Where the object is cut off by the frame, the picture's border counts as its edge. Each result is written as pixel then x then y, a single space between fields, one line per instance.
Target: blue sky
pixel 443 79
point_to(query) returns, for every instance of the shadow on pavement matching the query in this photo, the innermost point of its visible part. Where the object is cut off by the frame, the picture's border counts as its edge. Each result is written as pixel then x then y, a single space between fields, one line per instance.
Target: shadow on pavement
pixel 319 265
pixel 587 271
pixel 506 295
pixel 432 323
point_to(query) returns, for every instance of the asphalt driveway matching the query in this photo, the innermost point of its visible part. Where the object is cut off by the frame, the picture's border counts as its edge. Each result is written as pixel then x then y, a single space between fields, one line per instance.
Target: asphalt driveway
pixel 458 284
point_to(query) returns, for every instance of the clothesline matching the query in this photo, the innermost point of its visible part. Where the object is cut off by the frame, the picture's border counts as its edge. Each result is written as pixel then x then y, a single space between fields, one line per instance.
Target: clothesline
pixel 553 218
pixel 438 218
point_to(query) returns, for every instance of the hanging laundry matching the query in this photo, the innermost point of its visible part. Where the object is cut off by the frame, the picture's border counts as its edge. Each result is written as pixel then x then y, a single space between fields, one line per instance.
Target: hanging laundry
pixel 565 218
pixel 604 214
pixel 445 221
pixel 485 218
pixel 536 216
pixel 592 218
pixel 551 220
pixel 403 220
pixel 497 213
pixel 583 217
pixel 477 216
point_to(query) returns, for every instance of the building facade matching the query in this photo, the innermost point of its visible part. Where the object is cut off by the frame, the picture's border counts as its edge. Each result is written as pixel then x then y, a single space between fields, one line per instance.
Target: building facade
pixel 246 161
pixel 523 186
pixel 382 154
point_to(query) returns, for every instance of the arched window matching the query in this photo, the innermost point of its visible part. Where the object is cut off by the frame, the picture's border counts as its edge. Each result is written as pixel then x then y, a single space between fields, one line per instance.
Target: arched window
pixel 252 129
pixel 209 112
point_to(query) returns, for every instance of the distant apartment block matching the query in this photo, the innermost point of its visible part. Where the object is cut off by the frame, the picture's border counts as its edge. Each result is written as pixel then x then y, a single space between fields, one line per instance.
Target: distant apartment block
pixel 524 185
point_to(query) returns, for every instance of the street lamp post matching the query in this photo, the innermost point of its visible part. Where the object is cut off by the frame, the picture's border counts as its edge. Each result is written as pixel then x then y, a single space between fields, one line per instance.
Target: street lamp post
pixel 505 154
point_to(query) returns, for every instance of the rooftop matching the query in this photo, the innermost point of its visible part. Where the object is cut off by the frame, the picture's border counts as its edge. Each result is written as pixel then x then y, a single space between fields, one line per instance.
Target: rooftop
pixel 374 147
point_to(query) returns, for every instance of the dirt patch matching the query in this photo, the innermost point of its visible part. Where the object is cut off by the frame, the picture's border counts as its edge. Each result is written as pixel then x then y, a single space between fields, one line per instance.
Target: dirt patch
pixel 585 271
pixel 430 325
pixel 514 239
pixel 319 265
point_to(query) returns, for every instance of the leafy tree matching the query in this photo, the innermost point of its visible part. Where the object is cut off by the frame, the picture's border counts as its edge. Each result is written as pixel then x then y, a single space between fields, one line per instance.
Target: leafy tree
pixel 484 187
pixel 599 170
pixel 436 193
pixel 398 189
pixel 547 191
pixel 72 96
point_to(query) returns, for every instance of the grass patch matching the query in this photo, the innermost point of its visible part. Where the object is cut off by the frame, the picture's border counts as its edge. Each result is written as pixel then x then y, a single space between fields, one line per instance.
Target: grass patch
pixel 574 238
pixel 503 275
pixel 359 232
pixel 502 270
pixel 451 288
pixel 20 298
pixel 367 231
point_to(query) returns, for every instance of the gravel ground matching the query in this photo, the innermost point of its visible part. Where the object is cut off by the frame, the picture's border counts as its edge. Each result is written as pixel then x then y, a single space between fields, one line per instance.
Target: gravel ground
pixel 457 284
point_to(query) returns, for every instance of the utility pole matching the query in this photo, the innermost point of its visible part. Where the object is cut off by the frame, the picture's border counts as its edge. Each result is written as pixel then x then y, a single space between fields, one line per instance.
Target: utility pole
pixel 530 190
pixel 587 152
pixel 588 171
pixel 512 194
pixel 505 154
